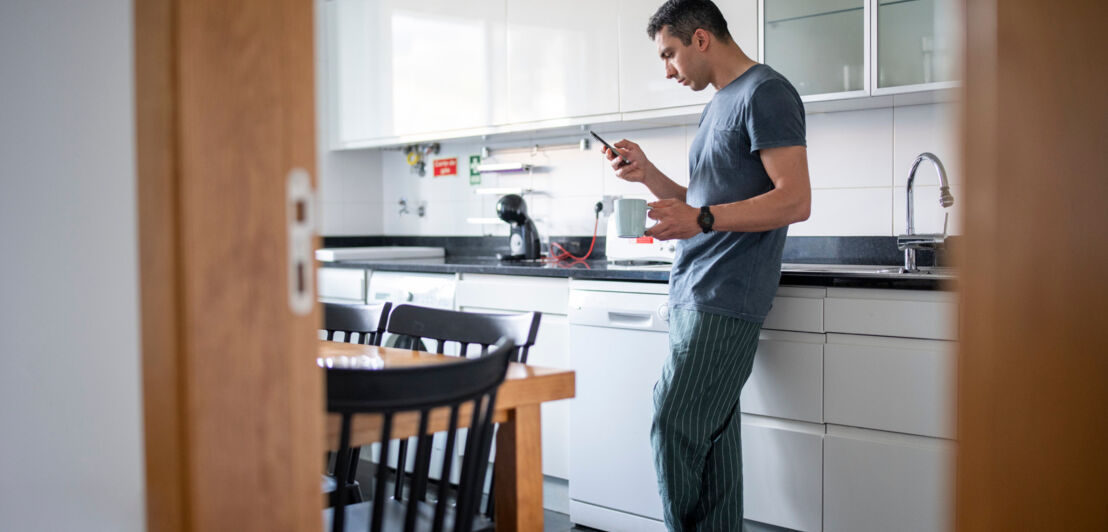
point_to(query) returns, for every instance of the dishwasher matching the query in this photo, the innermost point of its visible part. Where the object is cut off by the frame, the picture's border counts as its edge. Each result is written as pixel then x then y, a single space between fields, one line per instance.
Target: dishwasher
pixel 619 341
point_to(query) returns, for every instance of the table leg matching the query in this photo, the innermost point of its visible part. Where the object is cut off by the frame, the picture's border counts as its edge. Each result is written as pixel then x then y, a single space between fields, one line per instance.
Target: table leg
pixel 519 471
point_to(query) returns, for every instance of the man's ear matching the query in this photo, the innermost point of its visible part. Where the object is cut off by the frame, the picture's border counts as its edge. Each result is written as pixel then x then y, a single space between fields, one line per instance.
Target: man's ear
pixel 701 38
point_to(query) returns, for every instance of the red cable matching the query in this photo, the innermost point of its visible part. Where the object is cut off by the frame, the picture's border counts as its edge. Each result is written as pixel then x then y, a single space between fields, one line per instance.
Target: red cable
pixel 566 255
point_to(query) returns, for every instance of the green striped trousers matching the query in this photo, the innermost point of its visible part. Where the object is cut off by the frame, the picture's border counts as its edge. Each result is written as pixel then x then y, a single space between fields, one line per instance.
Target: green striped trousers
pixel 696 432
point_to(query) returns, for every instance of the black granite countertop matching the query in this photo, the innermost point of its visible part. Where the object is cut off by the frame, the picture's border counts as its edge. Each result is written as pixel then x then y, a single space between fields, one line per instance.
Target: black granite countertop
pixel 855 276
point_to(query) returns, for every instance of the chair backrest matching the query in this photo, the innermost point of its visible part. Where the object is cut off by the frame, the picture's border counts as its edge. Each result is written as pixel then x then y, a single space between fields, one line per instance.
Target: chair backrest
pixel 466 387
pixel 466 328
pixel 364 322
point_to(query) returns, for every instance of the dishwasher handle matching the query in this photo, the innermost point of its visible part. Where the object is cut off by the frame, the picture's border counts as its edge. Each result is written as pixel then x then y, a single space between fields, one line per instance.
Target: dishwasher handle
pixel 631 319
pixel 622 318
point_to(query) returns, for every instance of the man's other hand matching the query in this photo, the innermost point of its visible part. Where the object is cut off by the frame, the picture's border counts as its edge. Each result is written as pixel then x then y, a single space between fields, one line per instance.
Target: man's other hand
pixel 676 220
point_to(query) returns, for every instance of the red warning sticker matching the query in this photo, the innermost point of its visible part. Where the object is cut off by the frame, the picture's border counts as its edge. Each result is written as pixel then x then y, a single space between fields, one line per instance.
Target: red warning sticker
pixel 445 167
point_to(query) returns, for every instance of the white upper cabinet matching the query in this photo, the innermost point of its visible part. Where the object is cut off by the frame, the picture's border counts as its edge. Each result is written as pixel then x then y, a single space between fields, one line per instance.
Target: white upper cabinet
pixel 819 45
pixel 642 77
pixel 401 71
pixel 918 43
pixel 563 59
pixel 835 49
pixel 402 67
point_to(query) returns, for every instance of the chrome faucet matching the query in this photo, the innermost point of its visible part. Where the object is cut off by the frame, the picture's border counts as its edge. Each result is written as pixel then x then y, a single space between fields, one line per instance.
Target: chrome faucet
pixel 910 242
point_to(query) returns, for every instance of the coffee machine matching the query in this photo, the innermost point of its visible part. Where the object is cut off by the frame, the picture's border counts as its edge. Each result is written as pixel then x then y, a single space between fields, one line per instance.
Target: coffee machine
pixel 523 241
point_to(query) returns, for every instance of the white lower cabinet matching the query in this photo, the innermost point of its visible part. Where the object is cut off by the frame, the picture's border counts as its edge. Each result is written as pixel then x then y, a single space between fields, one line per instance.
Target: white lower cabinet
pixel 551 350
pixel 341 285
pixel 787 379
pixel 505 293
pixel 928 314
pixel 879 481
pixel 782 472
pixel 847 418
pixel 894 384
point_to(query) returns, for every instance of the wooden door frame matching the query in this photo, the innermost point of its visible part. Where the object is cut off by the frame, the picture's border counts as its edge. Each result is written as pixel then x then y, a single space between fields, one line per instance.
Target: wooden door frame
pixel 1033 361
pixel 232 413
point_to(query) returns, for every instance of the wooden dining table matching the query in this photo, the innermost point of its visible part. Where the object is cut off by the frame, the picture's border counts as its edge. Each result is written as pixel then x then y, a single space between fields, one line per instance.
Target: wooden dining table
pixel 518 465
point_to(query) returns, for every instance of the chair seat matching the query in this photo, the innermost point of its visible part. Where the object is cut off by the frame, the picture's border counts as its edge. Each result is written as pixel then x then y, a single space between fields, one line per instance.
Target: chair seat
pixel 358 515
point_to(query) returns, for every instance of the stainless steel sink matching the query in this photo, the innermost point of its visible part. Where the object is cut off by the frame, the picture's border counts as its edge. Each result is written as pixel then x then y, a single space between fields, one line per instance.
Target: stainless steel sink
pixel 865 270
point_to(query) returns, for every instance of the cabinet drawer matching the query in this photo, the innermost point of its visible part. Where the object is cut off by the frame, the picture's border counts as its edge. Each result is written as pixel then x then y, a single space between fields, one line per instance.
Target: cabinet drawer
pixel 904 313
pixel 797 308
pixel 787 379
pixel 342 284
pixel 893 384
pixel 513 292
pixel 874 482
pixel 782 473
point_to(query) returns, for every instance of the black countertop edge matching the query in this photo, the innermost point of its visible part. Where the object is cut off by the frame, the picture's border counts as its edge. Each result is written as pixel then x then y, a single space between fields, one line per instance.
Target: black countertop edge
pixel 879 250
pixel 601 270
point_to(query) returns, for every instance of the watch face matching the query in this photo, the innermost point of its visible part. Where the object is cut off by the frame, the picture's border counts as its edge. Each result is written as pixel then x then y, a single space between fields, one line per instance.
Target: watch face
pixel 705 220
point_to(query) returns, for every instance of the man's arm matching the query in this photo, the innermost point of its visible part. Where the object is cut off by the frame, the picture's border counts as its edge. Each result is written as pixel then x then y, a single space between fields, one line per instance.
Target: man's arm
pixel 641 170
pixel 790 201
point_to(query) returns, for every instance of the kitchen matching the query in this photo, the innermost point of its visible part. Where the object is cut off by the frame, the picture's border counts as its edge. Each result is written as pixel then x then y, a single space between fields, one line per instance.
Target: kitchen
pixel 862 142
pixel 863 134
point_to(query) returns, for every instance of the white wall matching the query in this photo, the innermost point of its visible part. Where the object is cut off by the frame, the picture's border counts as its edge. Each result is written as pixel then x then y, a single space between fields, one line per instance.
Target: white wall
pixel 349 184
pixel 858 161
pixel 71 452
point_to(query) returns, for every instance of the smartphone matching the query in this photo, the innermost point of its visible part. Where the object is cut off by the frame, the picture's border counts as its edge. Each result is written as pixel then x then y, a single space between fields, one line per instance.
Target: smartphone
pixel 609 146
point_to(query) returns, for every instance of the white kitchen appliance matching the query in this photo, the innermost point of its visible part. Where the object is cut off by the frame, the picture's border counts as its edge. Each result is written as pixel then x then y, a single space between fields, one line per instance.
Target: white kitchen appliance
pixel 636 250
pixel 619 341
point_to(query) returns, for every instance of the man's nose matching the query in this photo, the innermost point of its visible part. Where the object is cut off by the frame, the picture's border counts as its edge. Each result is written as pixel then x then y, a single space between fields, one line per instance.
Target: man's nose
pixel 670 72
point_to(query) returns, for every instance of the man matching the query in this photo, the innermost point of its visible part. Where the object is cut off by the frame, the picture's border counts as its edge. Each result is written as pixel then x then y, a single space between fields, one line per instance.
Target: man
pixel 748 180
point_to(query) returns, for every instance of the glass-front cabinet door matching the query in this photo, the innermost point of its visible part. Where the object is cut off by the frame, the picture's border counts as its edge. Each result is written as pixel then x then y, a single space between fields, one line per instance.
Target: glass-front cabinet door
pixel 918 43
pixel 819 45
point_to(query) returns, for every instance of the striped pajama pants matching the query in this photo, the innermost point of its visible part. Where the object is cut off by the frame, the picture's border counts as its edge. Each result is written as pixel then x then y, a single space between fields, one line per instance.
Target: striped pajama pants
pixel 696 432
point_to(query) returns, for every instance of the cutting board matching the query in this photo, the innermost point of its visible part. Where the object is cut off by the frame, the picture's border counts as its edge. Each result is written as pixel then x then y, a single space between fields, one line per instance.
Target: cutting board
pixel 378 253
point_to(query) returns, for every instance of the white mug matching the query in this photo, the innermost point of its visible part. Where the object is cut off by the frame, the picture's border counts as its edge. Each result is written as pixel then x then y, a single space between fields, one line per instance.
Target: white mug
pixel 630 216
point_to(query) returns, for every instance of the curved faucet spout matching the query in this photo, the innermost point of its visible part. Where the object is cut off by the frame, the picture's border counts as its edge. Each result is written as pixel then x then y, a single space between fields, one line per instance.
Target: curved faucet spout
pixel 945 199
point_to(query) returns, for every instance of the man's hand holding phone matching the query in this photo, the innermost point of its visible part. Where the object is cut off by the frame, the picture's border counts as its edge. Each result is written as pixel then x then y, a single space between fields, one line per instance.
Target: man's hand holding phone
pixel 636 165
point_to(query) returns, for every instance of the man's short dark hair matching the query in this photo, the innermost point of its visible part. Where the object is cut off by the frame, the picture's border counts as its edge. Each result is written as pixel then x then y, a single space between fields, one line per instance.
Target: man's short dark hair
pixel 684 17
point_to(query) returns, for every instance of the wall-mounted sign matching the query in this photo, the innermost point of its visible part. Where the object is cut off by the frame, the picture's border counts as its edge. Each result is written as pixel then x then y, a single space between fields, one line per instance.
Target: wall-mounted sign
pixel 445 167
pixel 474 173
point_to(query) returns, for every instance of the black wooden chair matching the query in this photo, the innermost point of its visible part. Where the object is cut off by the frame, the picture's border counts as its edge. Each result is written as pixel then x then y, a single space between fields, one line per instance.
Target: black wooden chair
pixel 421 389
pixel 364 322
pixel 358 324
pixel 465 330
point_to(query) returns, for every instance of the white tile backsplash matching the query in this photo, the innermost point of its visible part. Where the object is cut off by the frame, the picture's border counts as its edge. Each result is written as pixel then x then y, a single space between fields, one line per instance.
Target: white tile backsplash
pixel 848 212
pixel 858 161
pixel 331 219
pixel 926 128
pixel 929 214
pixel 665 147
pixel 851 149
pixel 362 218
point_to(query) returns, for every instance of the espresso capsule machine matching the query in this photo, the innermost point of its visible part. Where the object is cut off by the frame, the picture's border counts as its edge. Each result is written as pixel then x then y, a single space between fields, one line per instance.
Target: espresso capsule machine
pixel 523 241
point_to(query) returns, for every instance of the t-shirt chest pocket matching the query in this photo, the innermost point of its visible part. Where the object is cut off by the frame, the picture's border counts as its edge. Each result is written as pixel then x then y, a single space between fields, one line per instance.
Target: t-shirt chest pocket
pixel 724 148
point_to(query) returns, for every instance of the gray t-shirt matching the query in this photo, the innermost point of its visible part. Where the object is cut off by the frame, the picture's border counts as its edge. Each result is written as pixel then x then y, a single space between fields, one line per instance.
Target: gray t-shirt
pixel 730 273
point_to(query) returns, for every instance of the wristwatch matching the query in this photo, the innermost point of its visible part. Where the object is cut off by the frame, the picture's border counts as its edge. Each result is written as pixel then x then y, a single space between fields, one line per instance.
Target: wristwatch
pixel 705 220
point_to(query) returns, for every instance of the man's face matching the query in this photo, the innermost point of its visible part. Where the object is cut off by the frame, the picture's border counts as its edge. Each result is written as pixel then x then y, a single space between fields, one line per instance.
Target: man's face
pixel 684 63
